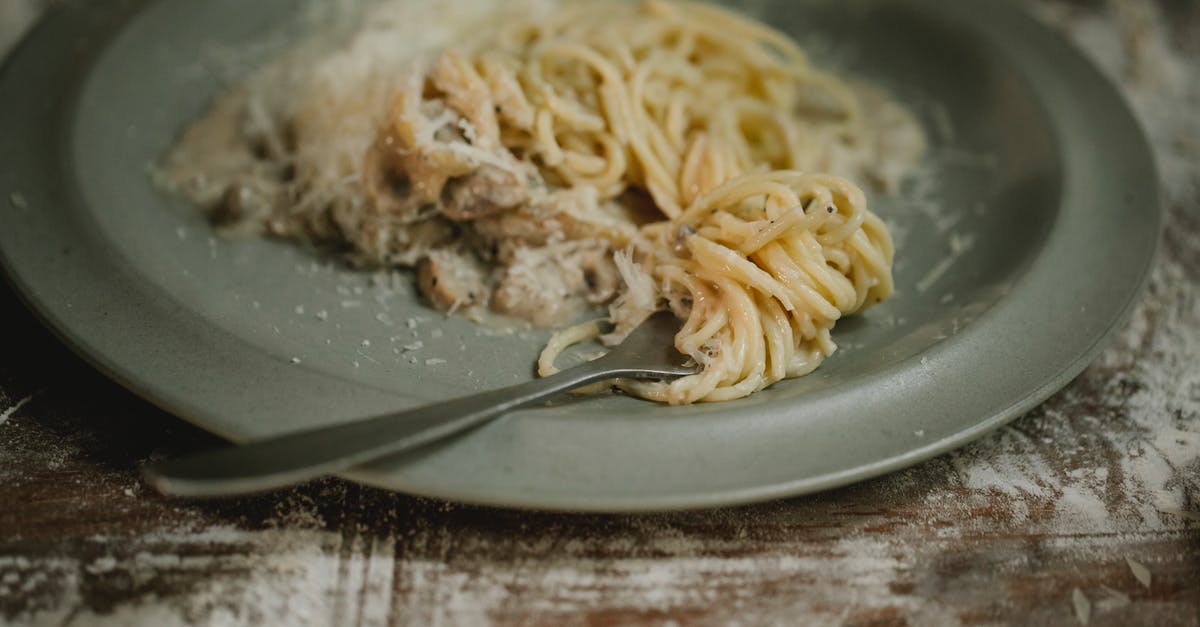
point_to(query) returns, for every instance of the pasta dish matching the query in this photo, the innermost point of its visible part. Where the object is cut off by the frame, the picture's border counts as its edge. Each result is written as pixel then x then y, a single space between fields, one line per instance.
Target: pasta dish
pixel 557 157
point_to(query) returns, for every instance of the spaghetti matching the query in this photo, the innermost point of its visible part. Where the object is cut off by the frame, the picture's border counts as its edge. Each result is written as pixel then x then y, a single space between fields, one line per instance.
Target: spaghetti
pixel 653 155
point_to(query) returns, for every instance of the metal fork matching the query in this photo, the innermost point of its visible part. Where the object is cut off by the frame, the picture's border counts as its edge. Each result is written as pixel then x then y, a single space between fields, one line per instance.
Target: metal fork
pixel 648 353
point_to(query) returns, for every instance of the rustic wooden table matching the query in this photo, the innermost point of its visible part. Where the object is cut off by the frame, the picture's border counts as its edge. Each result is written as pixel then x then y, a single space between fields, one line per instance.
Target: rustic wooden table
pixel 1084 509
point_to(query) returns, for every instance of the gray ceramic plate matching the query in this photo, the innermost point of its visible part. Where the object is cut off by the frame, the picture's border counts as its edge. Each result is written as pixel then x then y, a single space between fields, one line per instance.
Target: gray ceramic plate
pixel 1041 193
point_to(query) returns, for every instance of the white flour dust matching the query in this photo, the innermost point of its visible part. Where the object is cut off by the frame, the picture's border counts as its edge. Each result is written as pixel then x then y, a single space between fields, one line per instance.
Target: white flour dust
pixel 283 576
pixel 14 408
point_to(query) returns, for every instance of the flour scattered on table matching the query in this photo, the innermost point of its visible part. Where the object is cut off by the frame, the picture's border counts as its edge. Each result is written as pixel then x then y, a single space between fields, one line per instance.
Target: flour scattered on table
pixel 1083 607
pixel 1140 572
pixel 1175 511
pixel 8 413
pixel 1114 599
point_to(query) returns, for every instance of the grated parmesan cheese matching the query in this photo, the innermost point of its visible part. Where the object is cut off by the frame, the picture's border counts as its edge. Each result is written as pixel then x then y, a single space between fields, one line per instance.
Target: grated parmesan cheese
pixel 18 201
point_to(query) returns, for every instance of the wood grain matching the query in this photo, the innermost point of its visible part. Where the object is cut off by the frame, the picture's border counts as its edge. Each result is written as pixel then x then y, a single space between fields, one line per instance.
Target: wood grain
pixel 1001 532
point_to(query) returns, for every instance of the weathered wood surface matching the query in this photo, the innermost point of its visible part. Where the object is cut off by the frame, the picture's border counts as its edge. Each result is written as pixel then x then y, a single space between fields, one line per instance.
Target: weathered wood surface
pixel 1004 531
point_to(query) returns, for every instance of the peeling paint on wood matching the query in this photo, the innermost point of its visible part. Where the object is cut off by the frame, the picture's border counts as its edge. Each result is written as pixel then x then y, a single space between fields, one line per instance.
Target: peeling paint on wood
pixel 1002 532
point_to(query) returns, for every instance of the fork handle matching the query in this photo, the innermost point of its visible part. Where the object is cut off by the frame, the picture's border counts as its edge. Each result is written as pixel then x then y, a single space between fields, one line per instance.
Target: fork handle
pixel 297 457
